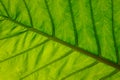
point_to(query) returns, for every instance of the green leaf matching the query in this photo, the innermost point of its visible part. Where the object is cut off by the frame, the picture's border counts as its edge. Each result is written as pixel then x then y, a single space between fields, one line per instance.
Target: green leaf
pixel 59 40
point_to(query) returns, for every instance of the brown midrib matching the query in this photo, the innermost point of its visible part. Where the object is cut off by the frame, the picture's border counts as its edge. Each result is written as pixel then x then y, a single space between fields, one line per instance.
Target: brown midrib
pixel 99 58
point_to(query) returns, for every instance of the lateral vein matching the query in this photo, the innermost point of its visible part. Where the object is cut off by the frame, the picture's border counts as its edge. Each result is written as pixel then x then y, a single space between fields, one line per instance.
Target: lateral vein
pixel 81 50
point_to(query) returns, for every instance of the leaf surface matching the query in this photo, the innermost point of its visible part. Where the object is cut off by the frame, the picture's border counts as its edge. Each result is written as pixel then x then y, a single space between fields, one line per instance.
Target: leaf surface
pixel 59 40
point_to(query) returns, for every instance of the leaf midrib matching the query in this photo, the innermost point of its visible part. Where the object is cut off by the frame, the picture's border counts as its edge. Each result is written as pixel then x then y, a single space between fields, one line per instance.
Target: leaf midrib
pixel 75 48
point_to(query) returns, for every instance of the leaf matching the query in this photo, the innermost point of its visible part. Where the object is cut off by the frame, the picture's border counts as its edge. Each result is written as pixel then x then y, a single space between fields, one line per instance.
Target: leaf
pixel 59 40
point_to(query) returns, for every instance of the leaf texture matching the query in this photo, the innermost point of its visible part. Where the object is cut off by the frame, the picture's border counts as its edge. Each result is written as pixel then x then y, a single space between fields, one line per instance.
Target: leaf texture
pixel 59 40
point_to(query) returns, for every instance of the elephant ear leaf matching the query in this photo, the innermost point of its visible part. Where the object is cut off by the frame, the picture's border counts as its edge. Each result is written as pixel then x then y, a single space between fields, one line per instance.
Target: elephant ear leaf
pixel 59 40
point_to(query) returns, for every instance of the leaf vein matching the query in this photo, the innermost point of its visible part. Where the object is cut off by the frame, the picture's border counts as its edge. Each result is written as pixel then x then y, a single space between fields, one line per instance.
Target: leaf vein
pixel 23 52
pixel 51 18
pixel 81 50
pixel 77 71
pixel 29 14
pixel 95 30
pixel 113 34
pixel 13 35
pixel 56 60
pixel 73 22
pixel 4 8
pixel 109 75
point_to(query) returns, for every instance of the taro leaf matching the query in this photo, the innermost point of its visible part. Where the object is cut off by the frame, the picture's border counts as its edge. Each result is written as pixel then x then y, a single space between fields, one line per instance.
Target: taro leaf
pixel 59 40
